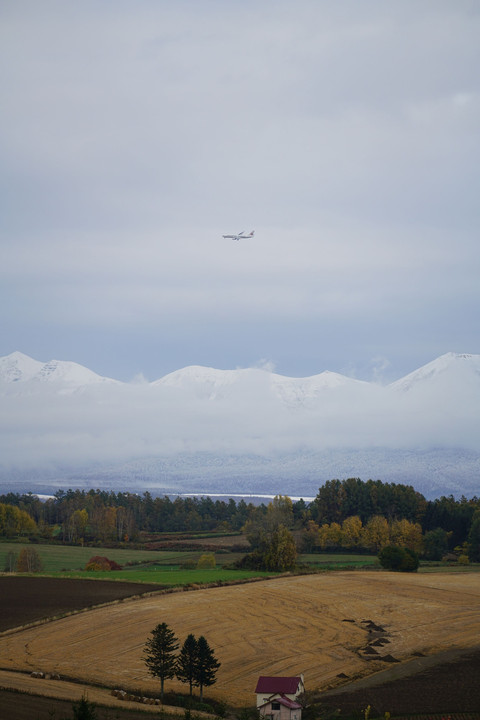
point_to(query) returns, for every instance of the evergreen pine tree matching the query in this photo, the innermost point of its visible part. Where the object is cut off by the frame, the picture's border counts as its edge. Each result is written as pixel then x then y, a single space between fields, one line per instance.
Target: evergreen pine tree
pixel 160 656
pixel 206 665
pixel 187 662
pixel 84 710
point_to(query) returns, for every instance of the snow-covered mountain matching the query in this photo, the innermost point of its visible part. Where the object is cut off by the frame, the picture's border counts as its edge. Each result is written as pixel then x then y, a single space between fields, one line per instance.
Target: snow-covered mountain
pixel 450 371
pixel 20 368
pixel 238 431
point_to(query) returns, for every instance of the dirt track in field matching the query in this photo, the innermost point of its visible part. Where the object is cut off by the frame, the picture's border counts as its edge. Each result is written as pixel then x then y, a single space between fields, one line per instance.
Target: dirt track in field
pixel 310 624
pixel 72 692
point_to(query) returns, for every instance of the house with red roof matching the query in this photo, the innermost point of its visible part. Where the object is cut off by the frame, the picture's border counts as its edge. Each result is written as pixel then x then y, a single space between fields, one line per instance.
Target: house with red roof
pixel 277 697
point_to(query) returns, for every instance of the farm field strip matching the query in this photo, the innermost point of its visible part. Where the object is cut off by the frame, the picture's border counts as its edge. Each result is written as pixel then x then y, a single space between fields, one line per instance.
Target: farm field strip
pixel 325 558
pixel 58 558
pixel 73 692
pixel 167 576
pixel 73 557
pixel 310 624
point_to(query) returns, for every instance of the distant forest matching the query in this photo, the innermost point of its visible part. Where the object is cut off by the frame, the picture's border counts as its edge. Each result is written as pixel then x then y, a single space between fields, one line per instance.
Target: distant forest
pixel 337 517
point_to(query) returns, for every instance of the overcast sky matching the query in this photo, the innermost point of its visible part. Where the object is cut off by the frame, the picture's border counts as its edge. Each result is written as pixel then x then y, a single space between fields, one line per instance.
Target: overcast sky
pixel 135 134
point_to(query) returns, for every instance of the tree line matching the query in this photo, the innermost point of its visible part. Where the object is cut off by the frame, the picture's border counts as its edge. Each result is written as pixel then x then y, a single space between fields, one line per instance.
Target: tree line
pixel 352 535
pixel 97 515
pixel 338 500
pixel 110 516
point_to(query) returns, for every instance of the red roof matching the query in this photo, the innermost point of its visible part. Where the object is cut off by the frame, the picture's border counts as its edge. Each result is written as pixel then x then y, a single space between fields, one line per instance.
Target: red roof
pixel 287 685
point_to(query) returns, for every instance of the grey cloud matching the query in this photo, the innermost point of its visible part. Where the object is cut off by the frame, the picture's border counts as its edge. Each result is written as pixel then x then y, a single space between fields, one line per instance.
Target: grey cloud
pixel 346 135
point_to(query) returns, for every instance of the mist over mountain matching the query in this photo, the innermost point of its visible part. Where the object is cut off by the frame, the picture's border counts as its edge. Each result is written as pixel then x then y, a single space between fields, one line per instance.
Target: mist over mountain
pixel 244 431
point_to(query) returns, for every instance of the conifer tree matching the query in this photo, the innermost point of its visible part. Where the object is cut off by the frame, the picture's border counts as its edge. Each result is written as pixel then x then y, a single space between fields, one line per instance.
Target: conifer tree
pixel 160 656
pixel 187 662
pixel 84 710
pixel 206 665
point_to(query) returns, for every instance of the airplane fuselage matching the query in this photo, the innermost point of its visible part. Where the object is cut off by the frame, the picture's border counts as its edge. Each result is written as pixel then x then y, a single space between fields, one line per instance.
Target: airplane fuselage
pixel 240 236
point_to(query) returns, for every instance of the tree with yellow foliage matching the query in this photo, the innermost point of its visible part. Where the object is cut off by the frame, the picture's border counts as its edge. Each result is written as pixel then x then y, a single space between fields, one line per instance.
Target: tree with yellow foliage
pixel 330 535
pixel 14 521
pixel 207 560
pixel 376 533
pixel 310 537
pixel 352 532
pixel 407 534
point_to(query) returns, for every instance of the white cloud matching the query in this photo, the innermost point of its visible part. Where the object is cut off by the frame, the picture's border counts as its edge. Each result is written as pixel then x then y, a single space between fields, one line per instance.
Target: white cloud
pixel 245 411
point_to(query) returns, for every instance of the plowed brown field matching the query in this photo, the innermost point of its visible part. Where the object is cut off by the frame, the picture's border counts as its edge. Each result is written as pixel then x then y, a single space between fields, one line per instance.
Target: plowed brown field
pixel 25 600
pixel 313 624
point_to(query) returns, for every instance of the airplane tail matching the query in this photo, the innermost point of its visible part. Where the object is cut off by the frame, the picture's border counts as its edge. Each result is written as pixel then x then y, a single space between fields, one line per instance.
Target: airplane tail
pixel 252 233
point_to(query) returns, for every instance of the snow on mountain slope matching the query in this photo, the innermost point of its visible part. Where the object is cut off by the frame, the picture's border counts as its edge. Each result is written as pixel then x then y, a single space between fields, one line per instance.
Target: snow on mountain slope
pixel 214 384
pixel 208 426
pixel 205 382
pixel 307 391
pixel 452 370
pixel 20 368
pixel 441 400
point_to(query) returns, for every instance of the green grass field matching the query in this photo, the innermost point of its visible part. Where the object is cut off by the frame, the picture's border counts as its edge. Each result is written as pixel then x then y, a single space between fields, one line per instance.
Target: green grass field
pixel 57 558
pixel 326 561
pixel 165 566
pixel 170 577
pixel 67 557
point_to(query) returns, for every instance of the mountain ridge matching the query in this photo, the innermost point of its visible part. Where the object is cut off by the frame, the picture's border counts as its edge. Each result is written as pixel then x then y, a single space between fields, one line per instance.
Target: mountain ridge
pixel 247 428
pixel 18 366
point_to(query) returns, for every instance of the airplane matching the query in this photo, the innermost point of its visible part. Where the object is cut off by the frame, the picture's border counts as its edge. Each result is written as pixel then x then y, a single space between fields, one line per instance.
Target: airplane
pixel 240 236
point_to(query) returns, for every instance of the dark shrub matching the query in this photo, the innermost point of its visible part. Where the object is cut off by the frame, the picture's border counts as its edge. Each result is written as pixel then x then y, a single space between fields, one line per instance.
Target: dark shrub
pixel 391 557
pixel 410 561
pixel 398 559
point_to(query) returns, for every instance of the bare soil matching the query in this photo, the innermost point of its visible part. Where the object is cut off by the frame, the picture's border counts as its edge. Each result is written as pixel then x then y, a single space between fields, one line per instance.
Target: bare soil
pixel 25 600
pixel 447 684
